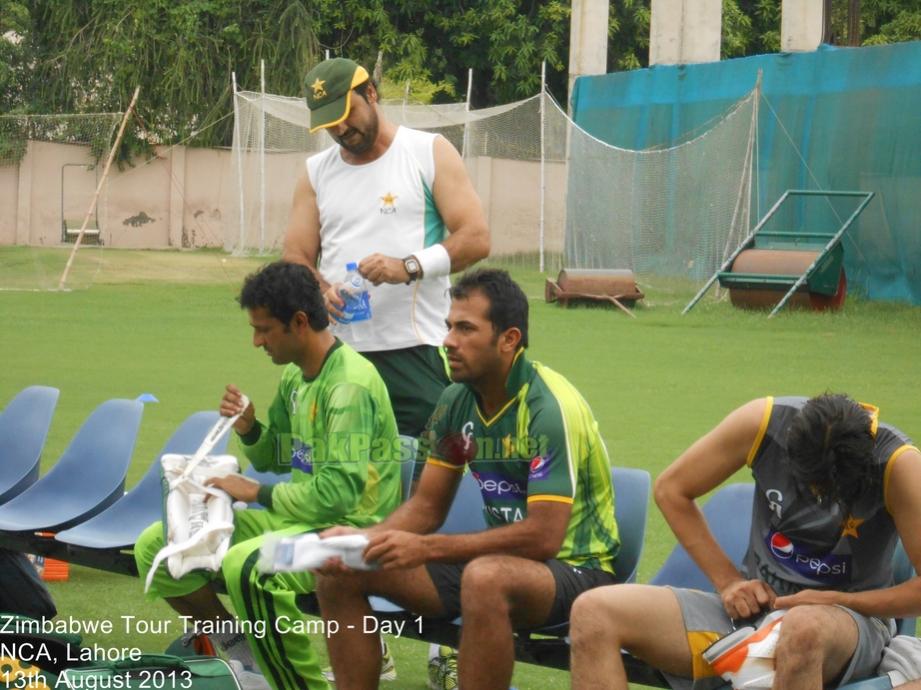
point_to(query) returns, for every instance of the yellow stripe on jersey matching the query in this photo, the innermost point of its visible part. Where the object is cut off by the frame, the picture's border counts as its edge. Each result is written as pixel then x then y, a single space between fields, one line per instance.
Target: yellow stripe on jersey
pixel 762 430
pixel 442 463
pixel 492 420
pixel 551 498
pixel 890 463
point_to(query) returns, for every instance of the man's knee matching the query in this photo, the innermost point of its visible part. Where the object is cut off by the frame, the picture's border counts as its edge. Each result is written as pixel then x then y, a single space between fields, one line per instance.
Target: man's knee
pixel 804 632
pixel 335 588
pixel 485 582
pixel 596 613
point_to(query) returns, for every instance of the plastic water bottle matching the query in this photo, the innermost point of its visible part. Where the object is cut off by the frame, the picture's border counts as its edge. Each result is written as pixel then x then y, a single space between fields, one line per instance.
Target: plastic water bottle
pixel 354 293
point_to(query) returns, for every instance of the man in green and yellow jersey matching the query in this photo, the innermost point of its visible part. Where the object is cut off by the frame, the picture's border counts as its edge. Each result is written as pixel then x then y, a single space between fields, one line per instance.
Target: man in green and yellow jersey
pixel 331 426
pixel 531 443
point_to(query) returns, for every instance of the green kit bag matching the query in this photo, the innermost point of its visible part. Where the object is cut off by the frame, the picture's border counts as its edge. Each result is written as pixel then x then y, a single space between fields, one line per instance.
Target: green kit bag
pixel 153 672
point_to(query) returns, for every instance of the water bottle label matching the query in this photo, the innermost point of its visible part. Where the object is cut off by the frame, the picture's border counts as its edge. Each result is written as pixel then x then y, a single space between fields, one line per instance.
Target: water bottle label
pixel 355 295
pixel 357 307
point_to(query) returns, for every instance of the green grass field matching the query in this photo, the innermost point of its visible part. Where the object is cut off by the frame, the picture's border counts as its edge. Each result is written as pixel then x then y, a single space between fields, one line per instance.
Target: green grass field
pixel 167 323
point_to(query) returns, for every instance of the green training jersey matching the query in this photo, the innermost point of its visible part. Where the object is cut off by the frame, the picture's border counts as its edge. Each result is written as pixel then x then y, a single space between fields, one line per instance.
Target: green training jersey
pixel 337 435
pixel 543 445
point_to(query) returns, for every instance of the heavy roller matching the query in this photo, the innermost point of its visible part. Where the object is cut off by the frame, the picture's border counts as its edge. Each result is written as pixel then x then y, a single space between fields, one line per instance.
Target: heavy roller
pixel 612 286
pixel 773 268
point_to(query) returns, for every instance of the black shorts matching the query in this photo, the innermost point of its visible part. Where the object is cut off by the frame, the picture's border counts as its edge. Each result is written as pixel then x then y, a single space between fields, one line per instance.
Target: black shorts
pixel 570 581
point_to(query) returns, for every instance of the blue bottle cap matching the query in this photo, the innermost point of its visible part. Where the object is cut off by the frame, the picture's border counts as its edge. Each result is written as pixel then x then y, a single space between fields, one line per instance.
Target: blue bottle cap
pixel 351 266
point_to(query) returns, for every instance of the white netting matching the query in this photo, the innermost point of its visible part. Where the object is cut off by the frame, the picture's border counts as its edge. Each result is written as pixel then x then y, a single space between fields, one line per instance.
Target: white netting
pixel 675 212
pixel 50 168
pixel 553 194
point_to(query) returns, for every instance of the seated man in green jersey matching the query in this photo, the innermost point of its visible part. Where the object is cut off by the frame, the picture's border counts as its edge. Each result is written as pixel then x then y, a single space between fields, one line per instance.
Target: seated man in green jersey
pixel 331 426
pixel 531 442
pixel 834 489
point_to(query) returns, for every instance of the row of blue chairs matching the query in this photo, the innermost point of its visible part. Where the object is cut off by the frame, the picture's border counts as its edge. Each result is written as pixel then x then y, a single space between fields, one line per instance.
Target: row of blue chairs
pixel 82 501
pixel 79 510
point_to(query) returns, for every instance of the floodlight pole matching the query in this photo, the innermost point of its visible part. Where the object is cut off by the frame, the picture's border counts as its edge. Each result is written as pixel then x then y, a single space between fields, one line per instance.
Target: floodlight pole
pixel 543 182
pixel 102 181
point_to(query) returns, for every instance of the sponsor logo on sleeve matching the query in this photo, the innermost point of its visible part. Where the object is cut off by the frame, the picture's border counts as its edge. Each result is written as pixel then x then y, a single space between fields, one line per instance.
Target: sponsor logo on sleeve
pixel 540 468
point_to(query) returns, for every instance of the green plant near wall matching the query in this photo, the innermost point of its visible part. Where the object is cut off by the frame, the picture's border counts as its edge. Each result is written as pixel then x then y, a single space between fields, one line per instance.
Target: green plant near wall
pixel 13 141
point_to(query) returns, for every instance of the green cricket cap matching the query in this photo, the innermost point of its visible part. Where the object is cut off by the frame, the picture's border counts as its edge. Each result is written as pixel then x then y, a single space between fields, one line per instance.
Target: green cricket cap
pixel 327 87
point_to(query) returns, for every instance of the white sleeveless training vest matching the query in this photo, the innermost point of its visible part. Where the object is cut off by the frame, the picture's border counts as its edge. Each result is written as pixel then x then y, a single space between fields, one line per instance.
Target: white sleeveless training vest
pixel 384 206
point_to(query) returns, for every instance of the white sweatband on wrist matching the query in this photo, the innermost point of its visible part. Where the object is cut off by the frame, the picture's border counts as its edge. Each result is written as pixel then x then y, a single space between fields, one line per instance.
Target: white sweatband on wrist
pixel 434 261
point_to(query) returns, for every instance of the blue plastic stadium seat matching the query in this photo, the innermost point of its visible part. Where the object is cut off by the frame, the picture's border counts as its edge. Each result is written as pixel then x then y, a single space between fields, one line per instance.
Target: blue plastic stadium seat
pixel 408 448
pixel 24 427
pixel 631 509
pixel 88 478
pixel 903 570
pixel 879 683
pixel 118 526
pixel 466 512
pixel 729 515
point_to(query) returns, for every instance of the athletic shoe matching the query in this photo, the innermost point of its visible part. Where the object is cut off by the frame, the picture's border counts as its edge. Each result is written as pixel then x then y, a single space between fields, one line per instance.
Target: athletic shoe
pixel 388 667
pixel 745 657
pixel 442 668
pixel 247 678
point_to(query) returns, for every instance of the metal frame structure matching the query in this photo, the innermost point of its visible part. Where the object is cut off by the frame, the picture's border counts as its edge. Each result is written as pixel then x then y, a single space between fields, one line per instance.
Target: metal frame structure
pixel 748 242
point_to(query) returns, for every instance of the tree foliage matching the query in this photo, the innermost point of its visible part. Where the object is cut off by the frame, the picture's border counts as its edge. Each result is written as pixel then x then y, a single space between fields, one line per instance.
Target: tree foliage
pixel 89 56
pixel 78 56
pixel 14 26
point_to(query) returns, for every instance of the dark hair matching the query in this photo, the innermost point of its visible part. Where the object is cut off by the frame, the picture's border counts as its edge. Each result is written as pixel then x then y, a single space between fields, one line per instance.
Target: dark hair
pixel 830 447
pixel 362 88
pixel 285 289
pixel 508 305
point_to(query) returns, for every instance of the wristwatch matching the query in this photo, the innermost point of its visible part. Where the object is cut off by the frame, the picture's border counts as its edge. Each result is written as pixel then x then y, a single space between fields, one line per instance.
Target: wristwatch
pixel 411 264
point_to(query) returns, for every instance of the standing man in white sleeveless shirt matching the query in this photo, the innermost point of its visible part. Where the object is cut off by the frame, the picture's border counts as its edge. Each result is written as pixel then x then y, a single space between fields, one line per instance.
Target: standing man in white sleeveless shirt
pixel 398 202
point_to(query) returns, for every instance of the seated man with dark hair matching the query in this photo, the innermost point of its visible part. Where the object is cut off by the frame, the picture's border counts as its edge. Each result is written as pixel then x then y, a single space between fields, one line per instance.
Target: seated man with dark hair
pixel 331 426
pixel 531 443
pixel 834 490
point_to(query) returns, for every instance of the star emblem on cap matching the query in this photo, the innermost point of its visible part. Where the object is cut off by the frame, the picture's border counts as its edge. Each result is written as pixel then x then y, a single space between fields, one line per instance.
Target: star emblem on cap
pixel 318 90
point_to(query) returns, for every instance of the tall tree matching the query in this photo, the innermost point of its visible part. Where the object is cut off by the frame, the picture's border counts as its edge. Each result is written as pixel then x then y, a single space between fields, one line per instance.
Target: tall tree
pixel 14 56
pixel 91 55
pixel 73 55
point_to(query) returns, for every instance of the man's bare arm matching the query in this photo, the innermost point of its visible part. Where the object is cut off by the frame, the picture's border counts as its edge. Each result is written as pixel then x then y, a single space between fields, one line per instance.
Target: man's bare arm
pixel 302 237
pixel 709 462
pixel 460 208
pixel 538 537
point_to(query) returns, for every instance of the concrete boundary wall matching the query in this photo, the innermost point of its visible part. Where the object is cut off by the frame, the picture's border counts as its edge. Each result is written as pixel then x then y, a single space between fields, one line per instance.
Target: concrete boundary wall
pixel 187 198
pixel 178 199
